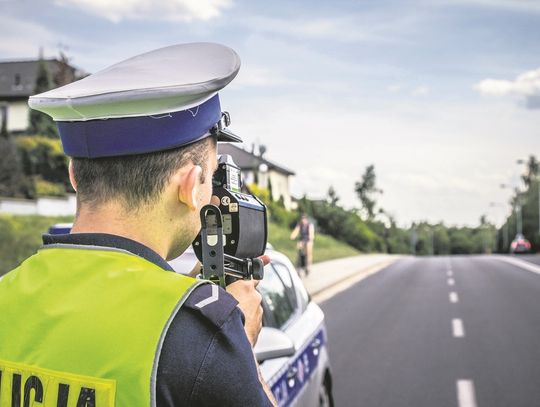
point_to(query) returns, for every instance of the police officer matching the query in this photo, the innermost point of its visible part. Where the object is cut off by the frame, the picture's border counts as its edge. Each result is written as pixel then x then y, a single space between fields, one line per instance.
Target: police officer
pixel 98 317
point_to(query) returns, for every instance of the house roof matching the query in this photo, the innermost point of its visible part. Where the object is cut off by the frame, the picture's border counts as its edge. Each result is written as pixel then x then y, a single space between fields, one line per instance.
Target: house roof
pixel 18 78
pixel 248 161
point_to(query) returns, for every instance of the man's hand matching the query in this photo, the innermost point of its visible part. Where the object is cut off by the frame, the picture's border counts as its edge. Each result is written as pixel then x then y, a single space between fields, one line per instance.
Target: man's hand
pixel 249 301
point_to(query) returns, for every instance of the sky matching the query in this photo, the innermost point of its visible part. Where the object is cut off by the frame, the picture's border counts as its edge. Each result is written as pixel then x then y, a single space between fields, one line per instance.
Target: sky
pixel 442 96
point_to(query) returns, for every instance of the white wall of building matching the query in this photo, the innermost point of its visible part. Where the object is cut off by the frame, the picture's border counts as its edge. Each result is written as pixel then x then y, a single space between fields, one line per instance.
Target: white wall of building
pixel 280 187
pixel 46 206
pixel 17 116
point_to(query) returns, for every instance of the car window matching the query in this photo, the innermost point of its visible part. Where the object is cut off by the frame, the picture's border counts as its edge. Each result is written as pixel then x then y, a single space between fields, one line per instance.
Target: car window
pixel 277 302
pixel 285 275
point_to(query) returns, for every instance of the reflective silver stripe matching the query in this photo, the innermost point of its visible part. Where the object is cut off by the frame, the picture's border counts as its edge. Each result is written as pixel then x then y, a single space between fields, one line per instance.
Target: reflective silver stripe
pixel 153 378
pixel 213 298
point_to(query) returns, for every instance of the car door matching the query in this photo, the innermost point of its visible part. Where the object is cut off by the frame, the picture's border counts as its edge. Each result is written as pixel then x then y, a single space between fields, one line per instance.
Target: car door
pixel 295 381
pixel 279 310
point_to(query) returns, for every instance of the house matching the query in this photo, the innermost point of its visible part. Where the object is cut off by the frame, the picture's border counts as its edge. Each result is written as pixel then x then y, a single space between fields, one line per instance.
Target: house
pixel 261 171
pixel 17 83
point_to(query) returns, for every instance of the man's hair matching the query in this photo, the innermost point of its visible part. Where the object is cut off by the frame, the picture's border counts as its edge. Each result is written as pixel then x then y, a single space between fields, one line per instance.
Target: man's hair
pixel 136 180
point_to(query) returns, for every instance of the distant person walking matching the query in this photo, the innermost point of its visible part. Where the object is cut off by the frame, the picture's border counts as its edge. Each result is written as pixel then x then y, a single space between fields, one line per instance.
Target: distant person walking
pixel 305 232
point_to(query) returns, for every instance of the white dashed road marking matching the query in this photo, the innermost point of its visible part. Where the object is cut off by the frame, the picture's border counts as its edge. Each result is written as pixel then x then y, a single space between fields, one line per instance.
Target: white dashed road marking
pixel 457 328
pixel 449 273
pixel 451 281
pixel 453 297
pixel 465 393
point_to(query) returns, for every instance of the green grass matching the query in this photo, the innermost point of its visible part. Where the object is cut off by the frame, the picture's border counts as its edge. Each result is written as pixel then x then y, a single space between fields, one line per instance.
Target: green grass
pixel 20 237
pixel 324 247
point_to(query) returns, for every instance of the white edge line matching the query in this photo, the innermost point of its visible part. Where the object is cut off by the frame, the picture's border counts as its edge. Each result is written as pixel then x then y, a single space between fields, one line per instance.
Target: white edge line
pixel 520 263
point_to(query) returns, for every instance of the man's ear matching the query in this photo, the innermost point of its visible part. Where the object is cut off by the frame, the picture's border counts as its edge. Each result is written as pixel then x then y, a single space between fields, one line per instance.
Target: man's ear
pixel 72 175
pixel 188 190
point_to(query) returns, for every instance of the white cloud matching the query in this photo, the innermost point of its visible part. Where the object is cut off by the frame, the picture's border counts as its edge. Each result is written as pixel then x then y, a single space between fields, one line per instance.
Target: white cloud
pixel 257 75
pixel 420 91
pixel 532 6
pixel 526 86
pixel 346 29
pixel 173 10
pixel 22 39
pixel 394 88
pixel 431 158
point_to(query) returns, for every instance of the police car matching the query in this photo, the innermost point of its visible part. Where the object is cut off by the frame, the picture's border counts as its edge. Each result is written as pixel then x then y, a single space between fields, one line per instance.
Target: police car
pixel 291 348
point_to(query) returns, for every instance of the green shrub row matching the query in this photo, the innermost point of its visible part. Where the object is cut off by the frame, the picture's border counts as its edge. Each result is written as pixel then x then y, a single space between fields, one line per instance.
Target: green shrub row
pixel 20 237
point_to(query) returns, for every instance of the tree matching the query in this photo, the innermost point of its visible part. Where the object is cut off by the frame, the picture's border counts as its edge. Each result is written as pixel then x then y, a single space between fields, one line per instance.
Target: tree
pixel 40 123
pixel 533 170
pixel 3 131
pixel 530 204
pixel 332 196
pixel 525 207
pixel 65 73
pixel 366 189
pixel 10 169
pixel 43 161
pixel 483 220
pixel 270 189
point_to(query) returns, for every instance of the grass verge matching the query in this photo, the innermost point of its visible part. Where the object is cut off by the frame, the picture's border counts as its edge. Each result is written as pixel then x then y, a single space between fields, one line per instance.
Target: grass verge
pixel 20 237
pixel 324 247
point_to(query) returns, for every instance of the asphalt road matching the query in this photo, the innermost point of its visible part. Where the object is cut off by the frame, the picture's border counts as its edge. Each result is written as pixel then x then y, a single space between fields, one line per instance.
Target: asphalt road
pixel 402 338
pixel 532 258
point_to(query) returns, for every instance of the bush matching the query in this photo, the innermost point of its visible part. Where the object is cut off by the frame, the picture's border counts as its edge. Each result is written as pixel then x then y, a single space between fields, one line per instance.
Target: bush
pixel 281 222
pixel 10 168
pixel 46 188
pixel 324 247
pixel 42 159
pixel 343 225
pixel 277 213
pixel 20 237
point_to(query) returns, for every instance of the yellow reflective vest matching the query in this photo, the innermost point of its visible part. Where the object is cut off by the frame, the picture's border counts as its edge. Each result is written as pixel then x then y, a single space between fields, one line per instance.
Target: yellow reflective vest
pixel 84 326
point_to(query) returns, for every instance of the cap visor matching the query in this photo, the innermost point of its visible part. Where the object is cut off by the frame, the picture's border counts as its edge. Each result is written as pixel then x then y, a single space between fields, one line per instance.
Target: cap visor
pixel 228 136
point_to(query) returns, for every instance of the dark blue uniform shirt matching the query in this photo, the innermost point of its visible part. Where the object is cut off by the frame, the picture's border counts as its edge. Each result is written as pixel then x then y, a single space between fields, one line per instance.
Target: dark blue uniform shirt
pixel 206 359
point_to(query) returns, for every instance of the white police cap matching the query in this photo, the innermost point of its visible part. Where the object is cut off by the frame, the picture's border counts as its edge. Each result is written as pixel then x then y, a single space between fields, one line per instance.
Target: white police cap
pixel 156 101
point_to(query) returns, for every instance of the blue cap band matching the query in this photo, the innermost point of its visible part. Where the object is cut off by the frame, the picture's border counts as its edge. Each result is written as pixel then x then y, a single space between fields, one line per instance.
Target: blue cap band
pixel 138 135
